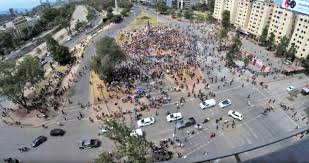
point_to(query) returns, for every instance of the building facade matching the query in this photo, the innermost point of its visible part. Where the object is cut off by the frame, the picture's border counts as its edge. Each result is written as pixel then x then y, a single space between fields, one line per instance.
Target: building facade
pixel 218 9
pixel 300 36
pixel 260 17
pixel 243 13
pixel 231 6
pixel 183 4
pixel 281 23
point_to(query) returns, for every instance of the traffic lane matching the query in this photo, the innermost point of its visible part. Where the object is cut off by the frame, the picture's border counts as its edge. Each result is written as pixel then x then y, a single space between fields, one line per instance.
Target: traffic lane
pixel 64 148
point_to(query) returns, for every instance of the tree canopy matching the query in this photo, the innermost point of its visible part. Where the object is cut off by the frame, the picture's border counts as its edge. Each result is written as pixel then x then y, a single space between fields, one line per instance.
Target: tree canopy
pixel 108 55
pixel 161 6
pixel 233 51
pixel 271 41
pixel 60 53
pixel 282 47
pixel 263 38
pixel 6 43
pixel 189 14
pixel 134 148
pixel 15 76
pixel 226 19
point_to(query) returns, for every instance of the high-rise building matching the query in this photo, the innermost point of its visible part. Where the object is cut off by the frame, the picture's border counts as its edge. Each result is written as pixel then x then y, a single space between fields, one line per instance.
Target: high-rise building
pixel 229 5
pixel 281 23
pixel 218 9
pixel 260 17
pixel 183 4
pixel 300 36
pixel 243 13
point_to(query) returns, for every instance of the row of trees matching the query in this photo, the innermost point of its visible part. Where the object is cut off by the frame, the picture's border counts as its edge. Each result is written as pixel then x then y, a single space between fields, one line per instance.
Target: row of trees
pixel 108 55
pixel 282 49
pixel 16 76
pixel 105 4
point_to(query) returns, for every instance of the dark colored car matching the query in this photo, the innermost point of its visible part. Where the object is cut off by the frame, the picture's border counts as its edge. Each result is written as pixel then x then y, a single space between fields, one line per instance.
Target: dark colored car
pixel 185 122
pixel 11 160
pixel 90 143
pixel 39 140
pixel 57 132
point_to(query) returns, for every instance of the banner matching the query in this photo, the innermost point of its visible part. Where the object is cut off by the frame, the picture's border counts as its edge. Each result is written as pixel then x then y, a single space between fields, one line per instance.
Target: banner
pixel 301 6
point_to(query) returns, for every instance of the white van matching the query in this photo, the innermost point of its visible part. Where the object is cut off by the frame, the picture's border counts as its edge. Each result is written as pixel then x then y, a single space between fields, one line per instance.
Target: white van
pixel 208 103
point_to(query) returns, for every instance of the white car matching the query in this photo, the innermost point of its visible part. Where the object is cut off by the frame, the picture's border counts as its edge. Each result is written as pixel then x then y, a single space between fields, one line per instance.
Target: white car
pixel 208 103
pixel 290 88
pixel 173 117
pixel 235 115
pixel 225 103
pixel 137 132
pixel 145 122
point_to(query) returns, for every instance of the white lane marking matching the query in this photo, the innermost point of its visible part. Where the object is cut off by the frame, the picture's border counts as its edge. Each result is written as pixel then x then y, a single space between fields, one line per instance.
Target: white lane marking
pixel 250 130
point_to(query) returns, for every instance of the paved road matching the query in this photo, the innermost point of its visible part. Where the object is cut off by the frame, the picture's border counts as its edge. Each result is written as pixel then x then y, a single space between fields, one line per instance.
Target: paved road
pixel 254 126
pixel 62 149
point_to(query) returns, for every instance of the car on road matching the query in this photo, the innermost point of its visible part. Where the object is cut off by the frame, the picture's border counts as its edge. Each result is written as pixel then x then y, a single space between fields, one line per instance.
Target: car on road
pixel 225 103
pixel 11 160
pixel 173 117
pixel 90 143
pixel 208 103
pixel 185 123
pixel 39 140
pixel 235 114
pixel 145 122
pixel 290 88
pixel 57 132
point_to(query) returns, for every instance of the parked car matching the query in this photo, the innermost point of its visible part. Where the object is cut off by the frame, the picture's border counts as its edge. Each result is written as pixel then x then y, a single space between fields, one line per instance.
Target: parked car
pixel 11 160
pixel 225 103
pixel 57 132
pixel 235 115
pixel 104 130
pixel 208 103
pixel 145 122
pixel 173 117
pixel 305 90
pixel 137 132
pixel 185 123
pixel 38 141
pixel 90 143
pixel 290 88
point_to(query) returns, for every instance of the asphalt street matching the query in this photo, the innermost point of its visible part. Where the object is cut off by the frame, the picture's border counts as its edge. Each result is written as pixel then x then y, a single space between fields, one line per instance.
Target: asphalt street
pixel 254 127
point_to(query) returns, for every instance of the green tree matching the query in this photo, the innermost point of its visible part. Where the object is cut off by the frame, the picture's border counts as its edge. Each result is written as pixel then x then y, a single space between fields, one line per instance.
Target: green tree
pixel 263 38
pixel 91 13
pixel 305 64
pixel 61 54
pixel 210 6
pixel 282 47
pixel 189 14
pixel 108 55
pixel 116 19
pixel 225 19
pixel 109 14
pixel 134 148
pixel 15 76
pixel 234 51
pixel 271 41
pixel 80 25
pixel 6 43
pixel 291 52
pixel 221 34
pixel 161 6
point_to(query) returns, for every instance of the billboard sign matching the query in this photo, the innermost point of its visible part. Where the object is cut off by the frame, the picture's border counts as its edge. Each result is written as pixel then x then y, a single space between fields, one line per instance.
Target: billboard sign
pixel 301 6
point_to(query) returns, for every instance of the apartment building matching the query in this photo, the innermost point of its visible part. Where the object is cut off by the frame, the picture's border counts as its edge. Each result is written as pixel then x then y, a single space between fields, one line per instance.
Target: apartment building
pixel 260 17
pixel 281 23
pixel 229 5
pixel 243 13
pixel 183 4
pixel 218 9
pixel 300 36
